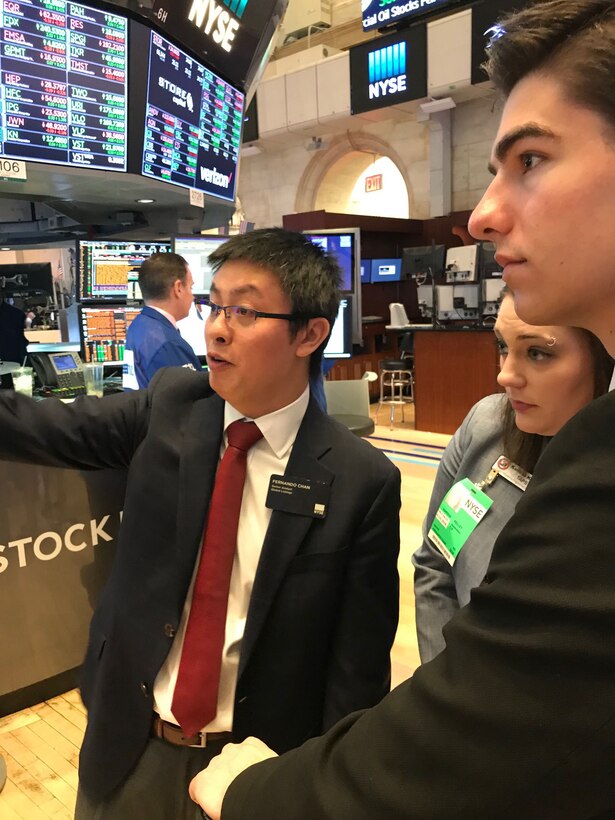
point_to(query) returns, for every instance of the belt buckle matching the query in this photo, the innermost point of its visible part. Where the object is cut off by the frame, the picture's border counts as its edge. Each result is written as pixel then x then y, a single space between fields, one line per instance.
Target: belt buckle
pixel 202 736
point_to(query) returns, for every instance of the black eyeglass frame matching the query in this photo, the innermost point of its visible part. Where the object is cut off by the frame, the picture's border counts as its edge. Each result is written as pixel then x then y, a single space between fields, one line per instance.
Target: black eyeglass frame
pixel 258 314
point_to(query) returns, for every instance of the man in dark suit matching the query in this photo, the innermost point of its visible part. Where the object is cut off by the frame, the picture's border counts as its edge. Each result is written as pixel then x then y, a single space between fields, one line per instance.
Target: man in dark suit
pixel 313 600
pixel 13 341
pixel 516 717
pixel 153 339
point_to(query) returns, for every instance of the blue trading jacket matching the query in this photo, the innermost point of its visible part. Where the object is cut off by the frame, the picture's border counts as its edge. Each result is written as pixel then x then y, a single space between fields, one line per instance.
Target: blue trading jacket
pixel 151 343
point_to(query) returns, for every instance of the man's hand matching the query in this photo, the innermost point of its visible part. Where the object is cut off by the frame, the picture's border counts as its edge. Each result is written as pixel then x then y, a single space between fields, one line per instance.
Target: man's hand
pixel 209 786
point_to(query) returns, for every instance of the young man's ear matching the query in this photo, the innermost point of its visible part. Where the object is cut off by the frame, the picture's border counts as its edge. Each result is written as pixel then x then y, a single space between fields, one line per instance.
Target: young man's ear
pixel 312 335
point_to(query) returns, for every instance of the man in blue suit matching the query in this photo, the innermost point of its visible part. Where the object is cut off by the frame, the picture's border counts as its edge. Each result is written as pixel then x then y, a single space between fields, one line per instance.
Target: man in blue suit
pixel 153 339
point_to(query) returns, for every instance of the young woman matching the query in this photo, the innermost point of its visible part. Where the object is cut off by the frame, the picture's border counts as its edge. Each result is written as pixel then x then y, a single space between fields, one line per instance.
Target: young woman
pixel 548 374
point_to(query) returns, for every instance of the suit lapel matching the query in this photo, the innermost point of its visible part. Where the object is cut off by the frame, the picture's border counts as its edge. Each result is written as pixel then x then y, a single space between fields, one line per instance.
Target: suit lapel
pixel 286 532
pixel 200 451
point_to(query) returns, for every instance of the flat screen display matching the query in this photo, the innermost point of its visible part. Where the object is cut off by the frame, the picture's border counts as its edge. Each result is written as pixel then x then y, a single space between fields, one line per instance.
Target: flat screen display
pixel 386 270
pixel 424 260
pixel 232 33
pixel 109 269
pixel 64 78
pixel 193 122
pixel 196 250
pixel 103 332
pixel 342 246
pixel 389 70
pixel 339 345
pixel 26 279
pixel 379 14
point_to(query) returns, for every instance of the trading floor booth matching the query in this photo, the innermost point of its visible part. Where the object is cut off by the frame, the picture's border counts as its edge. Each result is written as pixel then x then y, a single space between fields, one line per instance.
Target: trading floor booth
pixel 58 533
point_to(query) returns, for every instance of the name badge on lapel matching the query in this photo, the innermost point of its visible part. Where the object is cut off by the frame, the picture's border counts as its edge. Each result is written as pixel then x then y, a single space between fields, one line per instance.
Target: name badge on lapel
pixel 300 496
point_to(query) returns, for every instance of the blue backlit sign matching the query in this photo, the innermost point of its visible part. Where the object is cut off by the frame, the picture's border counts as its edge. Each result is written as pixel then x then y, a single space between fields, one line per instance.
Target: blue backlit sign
pixel 236 6
pixel 388 71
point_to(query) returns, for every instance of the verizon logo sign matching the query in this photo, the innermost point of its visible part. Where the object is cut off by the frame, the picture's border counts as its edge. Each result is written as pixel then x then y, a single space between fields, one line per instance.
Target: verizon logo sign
pixel 214 177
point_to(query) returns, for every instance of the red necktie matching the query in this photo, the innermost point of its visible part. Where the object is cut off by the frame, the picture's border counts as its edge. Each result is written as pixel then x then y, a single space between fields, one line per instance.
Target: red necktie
pixel 195 698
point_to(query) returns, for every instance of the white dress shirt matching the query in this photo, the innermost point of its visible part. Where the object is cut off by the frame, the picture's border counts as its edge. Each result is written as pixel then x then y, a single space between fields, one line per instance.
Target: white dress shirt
pixel 165 314
pixel 268 456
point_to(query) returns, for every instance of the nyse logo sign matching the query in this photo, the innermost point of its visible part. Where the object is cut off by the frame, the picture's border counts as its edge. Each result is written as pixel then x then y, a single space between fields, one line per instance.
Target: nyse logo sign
pixel 387 70
pixel 373 183
pixel 236 6
pixel 216 22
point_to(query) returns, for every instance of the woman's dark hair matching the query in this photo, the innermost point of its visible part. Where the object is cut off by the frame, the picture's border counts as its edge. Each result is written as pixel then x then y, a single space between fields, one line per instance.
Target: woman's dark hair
pixel 572 40
pixel 523 448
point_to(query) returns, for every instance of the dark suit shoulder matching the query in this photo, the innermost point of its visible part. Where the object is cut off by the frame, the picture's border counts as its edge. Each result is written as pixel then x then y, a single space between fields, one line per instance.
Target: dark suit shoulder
pixel 181 383
pixel 358 451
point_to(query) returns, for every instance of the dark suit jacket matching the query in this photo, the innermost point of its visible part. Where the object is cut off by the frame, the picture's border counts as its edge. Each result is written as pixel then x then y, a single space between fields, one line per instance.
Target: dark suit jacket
pixel 324 606
pixel 13 342
pixel 516 717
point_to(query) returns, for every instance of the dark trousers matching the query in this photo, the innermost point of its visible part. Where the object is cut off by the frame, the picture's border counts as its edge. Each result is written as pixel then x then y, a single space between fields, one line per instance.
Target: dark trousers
pixel 156 789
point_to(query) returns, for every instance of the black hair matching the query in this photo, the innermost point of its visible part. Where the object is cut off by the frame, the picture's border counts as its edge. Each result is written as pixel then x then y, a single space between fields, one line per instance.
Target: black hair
pixel 309 276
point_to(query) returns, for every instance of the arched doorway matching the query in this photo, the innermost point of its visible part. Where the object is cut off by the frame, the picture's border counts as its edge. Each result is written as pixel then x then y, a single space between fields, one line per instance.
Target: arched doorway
pixel 335 179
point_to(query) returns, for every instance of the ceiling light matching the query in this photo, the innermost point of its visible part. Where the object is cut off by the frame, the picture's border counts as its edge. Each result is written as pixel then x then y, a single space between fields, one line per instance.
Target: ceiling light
pixel 145 201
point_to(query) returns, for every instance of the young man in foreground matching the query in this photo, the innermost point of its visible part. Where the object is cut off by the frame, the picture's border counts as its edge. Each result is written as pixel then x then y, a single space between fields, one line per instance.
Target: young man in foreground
pixel 516 717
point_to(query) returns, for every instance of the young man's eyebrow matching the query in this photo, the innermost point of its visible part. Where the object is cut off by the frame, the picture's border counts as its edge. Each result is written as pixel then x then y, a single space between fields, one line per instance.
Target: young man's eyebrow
pixel 240 291
pixel 505 144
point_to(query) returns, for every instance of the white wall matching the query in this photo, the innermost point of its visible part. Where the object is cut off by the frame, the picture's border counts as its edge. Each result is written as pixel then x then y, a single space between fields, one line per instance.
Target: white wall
pixel 268 182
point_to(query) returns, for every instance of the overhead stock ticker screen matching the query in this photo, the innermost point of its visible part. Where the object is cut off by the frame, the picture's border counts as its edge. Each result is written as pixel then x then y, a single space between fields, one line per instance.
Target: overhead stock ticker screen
pixel 64 78
pixel 192 123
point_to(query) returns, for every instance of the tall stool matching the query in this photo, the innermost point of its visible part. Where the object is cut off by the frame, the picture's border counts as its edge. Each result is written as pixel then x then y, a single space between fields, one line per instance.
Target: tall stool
pixel 396 385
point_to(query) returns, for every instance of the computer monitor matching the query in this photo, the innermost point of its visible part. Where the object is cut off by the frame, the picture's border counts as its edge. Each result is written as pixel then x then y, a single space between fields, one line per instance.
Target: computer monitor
pixel 339 345
pixel 345 245
pixel 103 332
pixel 386 270
pixel 108 270
pixel 196 250
pixel 27 279
pixel 487 266
pixel 342 244
pixel 427 260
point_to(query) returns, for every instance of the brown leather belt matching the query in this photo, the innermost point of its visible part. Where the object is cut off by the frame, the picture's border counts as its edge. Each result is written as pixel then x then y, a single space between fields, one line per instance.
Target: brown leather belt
pixel 173 734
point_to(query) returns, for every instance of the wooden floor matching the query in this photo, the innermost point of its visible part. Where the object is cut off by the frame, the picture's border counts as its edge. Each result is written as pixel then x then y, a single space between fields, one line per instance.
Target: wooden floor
pixel 41 745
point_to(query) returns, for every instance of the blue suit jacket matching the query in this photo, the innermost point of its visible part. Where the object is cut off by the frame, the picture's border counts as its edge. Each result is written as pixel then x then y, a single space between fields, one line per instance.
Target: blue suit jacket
pixel 156 343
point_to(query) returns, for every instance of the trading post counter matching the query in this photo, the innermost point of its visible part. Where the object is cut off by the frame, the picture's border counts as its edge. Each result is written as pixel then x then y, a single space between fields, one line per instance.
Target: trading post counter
pixel 453 369
pixel 58 533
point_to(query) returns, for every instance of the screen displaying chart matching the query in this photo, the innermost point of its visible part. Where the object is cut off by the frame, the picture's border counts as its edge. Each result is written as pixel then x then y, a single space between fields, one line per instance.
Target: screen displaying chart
pixel 103 332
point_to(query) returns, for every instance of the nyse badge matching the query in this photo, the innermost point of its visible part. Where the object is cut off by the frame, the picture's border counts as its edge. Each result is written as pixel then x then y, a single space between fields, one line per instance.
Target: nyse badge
pixel 300 496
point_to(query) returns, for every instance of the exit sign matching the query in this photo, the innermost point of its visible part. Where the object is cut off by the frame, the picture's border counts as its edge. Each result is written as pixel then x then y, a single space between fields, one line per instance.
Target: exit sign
pixel 373 183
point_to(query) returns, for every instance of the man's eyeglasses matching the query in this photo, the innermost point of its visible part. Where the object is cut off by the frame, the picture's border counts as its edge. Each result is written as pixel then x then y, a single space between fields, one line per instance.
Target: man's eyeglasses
pixel 245 316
